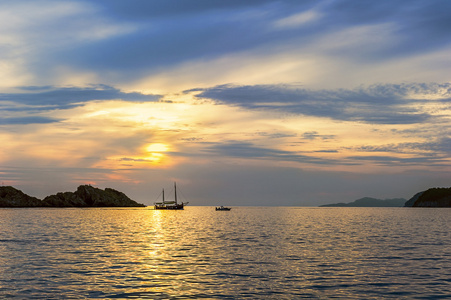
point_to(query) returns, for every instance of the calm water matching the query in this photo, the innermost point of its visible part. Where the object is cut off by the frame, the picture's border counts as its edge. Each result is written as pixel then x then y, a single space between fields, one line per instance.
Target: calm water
pixel 256 253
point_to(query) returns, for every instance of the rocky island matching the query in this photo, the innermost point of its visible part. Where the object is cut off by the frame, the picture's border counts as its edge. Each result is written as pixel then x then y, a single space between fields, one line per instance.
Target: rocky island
pixel 84 196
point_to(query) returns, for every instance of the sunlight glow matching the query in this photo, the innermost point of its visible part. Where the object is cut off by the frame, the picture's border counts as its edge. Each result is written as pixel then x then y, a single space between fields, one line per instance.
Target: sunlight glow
pixel 157 147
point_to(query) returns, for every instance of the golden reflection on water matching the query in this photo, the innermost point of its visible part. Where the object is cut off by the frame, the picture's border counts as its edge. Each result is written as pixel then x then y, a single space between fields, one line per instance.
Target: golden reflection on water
pixel 156 230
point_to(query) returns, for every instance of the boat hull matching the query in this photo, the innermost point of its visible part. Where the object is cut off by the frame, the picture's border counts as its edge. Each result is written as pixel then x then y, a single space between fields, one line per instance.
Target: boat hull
pixel 223 208
pixel 169 207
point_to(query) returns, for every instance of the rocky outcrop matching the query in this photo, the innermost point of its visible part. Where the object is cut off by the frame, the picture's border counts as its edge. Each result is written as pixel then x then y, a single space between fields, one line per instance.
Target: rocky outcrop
pixel 84 196
pixel 434 197
pixel 88 196
pixel 12 197
pixel 370 202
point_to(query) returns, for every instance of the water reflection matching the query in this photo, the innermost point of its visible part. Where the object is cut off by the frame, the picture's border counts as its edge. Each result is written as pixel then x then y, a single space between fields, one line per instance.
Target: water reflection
pixel 247 252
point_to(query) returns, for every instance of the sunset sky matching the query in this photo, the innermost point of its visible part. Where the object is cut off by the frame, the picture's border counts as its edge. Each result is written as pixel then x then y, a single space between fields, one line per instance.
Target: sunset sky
pixel 241 102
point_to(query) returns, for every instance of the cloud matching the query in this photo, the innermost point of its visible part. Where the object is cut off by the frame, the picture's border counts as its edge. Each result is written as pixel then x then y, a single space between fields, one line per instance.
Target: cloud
pixel 134 159
pixel 386 160
pixel 36 34
pixel 82 19
pixel 312 135
pixel 30 104
pixel 113 41
pixel 211 29
pixel 64 97
pixel 419 154
pixel 377 104
pixel 174 8
pixel 250 151
pixel 27 120
pixel 435 148
pixel 416 26
pixel 297 20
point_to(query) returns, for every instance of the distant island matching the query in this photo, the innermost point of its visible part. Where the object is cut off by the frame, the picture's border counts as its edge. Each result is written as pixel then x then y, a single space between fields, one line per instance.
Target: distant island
pixel 433 197
pixel 370 202
pixel 84 196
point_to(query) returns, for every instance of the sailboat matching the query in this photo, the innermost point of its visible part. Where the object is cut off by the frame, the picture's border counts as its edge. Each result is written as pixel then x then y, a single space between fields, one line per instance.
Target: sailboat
pixel 170 204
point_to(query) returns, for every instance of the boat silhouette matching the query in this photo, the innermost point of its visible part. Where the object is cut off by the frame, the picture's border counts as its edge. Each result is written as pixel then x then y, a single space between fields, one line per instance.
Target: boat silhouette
pixel 170 204
pixel 223 208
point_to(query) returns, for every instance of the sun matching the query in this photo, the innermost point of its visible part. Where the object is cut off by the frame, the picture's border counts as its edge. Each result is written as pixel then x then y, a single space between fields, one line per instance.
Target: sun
pixel 155 152
pixel 157 148
pixel 152 155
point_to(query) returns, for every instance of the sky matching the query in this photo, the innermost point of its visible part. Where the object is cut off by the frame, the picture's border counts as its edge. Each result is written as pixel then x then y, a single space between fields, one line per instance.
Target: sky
pixel 251 103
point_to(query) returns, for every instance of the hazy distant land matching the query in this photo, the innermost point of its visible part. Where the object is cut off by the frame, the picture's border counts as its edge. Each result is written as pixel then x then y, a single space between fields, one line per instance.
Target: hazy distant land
pixel 370 202
pixel 433 197
pixel 84 196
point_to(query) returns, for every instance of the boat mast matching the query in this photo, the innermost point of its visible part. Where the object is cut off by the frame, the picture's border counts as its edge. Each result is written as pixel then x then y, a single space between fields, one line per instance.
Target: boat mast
pixel 175 192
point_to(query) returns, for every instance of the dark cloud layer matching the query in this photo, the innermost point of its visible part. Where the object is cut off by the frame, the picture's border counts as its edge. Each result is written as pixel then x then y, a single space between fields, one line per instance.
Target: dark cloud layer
pixel 436 147
pixel 438 155
pixel 250 151
pixel 27 120
pixel 65 97
pixel 27 105
pixel 378 104
pixel 384 160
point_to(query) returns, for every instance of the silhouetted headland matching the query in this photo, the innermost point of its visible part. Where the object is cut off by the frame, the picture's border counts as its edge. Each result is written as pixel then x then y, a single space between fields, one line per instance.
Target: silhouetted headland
pixel 370 202
pixel 433 197
pixel 84 196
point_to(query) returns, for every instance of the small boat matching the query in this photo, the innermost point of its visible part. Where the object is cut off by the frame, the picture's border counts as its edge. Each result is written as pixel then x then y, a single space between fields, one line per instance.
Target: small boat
pixel 223 208
pixel 170 204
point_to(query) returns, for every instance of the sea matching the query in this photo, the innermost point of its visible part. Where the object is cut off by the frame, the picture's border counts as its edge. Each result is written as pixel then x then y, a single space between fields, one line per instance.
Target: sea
pixel 245 253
